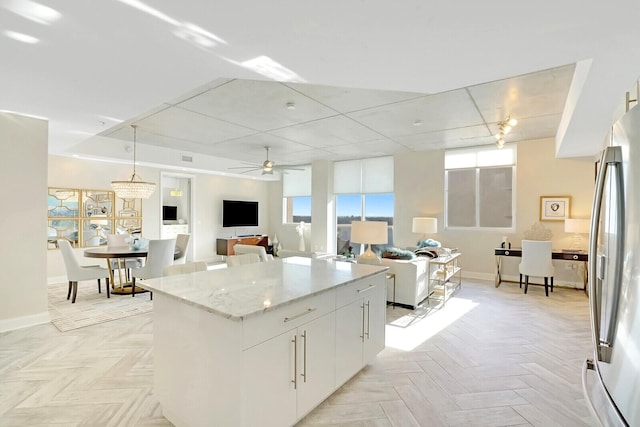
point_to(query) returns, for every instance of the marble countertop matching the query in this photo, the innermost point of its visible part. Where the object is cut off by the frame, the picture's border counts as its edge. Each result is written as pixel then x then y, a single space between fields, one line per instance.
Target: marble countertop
pixel 246 290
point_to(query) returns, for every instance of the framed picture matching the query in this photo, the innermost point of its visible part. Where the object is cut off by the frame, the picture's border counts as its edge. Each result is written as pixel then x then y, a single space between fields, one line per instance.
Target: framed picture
pixel 554 208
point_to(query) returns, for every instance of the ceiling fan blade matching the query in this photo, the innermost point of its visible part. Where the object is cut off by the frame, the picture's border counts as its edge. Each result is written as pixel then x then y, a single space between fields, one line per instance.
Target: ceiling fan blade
pixel 247 167
pixel 290 168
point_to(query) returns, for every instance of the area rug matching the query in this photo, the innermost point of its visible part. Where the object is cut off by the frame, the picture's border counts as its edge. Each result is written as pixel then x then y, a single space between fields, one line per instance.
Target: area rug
pixel 91 307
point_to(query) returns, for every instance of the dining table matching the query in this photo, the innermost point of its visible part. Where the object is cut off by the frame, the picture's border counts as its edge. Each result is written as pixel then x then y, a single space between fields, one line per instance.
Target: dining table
pixel 117 253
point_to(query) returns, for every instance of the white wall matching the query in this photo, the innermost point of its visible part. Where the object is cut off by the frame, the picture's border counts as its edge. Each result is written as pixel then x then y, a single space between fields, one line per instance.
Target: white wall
pixel 23 172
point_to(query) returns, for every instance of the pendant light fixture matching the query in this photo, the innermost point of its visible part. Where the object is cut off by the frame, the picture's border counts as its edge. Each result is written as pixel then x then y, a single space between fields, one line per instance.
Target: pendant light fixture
pixel 134 188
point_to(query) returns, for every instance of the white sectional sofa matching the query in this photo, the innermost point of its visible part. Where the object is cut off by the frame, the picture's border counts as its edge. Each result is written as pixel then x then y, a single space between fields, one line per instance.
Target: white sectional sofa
pixel 412 280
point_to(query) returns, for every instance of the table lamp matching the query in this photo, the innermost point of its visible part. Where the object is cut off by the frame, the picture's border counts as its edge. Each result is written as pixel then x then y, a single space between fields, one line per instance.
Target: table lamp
pixel 578 227
pixel 425 225
pixel 371 233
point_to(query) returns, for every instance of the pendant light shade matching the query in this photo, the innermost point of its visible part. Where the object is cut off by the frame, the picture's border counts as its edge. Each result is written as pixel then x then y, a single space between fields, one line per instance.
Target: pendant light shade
pixel 134 188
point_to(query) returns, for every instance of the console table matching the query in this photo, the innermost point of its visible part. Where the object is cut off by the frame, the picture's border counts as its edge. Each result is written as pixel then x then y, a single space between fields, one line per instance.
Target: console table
pixel 224 245
pixel 577 256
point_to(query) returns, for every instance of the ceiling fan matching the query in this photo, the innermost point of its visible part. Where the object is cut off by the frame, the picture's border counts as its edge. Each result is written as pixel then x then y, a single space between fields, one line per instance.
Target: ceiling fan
pixel 268 166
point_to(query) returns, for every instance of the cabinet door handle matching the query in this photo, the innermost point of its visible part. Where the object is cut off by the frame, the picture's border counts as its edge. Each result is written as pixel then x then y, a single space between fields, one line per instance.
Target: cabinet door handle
pixel 295 362
pixel 304 357
pixel 368 304
pixel 362 334
pixel 368 288
pixel 309 310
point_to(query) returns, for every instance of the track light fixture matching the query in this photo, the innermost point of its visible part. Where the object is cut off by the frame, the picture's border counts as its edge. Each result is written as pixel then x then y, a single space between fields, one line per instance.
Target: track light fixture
pixel 505 127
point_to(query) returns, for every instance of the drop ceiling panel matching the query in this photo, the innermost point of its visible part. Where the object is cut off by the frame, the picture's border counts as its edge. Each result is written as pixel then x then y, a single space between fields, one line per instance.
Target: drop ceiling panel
pixel 258 105
pixel 347 100
pixel 186 125
pixel 470 135
pixel 381 147
pixel 252 148
pixel 435 112
pixel 531 95
pixel 337 130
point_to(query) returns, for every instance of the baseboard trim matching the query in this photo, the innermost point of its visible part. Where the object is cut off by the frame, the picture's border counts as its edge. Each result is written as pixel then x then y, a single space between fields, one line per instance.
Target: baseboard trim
pixel 14 323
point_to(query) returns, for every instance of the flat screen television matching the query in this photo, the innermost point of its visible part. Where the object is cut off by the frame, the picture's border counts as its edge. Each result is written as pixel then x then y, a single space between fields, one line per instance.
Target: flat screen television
pixel 169 213
pixel 239 213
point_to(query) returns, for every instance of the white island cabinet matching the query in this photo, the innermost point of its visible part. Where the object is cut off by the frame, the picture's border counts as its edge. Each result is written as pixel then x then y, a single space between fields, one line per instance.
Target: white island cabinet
pixel 262 344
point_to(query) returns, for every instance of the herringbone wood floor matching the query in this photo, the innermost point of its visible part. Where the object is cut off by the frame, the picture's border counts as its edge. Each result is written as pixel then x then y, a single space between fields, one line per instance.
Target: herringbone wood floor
pixel 492 357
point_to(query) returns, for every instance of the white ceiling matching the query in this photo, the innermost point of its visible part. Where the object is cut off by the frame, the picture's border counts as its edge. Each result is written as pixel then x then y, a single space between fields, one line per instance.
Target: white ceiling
pixel 360 74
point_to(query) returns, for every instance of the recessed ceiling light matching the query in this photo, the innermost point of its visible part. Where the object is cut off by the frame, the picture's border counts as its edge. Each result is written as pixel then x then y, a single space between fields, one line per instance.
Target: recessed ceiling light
pixel 291 105
pixel 417 123
pixel 24 38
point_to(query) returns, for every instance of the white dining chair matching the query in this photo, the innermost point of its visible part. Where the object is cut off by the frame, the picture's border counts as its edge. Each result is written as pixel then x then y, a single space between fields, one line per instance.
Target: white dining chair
pixel 536 261
pixel 243 259
pixel 241 249
pixel 182 247
pixel 159 255
pixel 77 272
pixel 187 267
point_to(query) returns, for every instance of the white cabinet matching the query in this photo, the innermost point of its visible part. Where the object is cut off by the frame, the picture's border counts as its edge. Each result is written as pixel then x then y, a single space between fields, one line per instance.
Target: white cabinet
pixel 269 368
pixel 287 376
pixel 172 230
pixel 360 324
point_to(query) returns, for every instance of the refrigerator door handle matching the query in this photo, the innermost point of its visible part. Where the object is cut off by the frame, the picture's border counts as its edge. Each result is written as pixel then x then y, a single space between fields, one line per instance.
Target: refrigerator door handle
pixel 611 158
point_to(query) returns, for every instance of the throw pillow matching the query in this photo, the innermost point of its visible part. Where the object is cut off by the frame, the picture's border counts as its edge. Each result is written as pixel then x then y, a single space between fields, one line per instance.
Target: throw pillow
pixel 397 253
pixel 428 243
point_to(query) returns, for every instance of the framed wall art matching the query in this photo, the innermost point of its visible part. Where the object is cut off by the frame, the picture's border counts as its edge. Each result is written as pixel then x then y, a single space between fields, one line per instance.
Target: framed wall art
pixel 554 208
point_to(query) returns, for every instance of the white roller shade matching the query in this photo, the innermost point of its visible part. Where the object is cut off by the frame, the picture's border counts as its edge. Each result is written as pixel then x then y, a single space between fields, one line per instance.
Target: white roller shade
pixel 347 177
pixel 377 175
pixel 480 157
pixel 297 183
pixel 363 176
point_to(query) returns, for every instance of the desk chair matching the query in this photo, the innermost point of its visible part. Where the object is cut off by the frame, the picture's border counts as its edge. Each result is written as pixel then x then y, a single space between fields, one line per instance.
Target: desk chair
pixel 159 255
pixel 77 272
pixel 536 261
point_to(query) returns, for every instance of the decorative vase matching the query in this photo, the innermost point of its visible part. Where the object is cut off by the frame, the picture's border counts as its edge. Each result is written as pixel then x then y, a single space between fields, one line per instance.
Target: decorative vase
pixel 301 244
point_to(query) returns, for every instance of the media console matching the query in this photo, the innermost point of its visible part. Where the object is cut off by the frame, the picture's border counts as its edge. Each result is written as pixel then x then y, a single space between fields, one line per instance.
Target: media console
pixel 224 245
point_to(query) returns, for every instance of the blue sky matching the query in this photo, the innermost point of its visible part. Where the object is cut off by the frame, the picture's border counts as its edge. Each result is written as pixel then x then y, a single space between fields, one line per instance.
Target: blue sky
pixel 349 204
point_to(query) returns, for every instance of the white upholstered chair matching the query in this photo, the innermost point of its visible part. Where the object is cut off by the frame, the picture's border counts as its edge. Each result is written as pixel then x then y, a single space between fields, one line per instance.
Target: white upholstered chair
pixel 251 249
pixel 536 261
pixel 182 247
pixel 187 267
pixel 242 259
pixel 77 272
pixel 159 255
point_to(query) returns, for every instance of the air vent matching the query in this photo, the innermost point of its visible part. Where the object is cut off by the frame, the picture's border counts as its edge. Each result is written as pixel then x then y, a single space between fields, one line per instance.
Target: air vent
pixel 186 158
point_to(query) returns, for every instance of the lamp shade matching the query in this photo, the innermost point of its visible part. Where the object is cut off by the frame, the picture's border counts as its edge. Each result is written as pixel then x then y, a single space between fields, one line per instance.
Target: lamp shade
pixel 576 225
pixel 372 232
pixel 425 225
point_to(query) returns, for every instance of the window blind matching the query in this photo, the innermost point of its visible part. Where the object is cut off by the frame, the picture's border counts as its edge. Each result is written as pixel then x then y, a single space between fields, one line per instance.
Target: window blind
pixel 297 183
pixel 363 176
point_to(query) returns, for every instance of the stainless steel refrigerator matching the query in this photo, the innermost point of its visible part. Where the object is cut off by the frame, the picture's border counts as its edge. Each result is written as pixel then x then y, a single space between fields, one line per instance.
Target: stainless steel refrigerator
pixel 611 379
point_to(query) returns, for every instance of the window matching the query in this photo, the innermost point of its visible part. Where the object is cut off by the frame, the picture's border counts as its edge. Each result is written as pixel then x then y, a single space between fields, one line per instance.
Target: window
pixel 296 209
pixel 359 207
pixel 364 191
pixel 296 191
pixel 479 187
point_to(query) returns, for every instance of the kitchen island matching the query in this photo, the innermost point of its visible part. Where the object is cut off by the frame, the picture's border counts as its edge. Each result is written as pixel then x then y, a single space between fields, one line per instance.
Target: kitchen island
pixel 263 344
